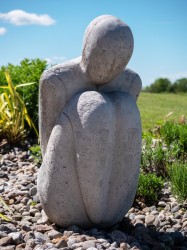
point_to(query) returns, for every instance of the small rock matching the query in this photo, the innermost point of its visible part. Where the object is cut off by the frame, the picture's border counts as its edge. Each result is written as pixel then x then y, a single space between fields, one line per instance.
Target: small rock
pixel 26 228
pixel 54 234
pixel 149 219
pixel 40 238
pixel 154 212
pixel 72 242
pixel 42 228
pixel 77 245
pixel 177 227
pixel 161 204
pixel 36 198
pixel 3 234
pixel 123 246
pixel 146 209
pixel 8 228
pixel 5 241
pixel 30 243
pixel 114 244
pixel 21 246
pixel 140 217
pixel 88 244
pixel 67 233
pixel 3 175
pixel 17 237
pixel 44 219
pixel 175 209
pixel 33 191
pixel 11 247
pixel 184 224
pixel 61 243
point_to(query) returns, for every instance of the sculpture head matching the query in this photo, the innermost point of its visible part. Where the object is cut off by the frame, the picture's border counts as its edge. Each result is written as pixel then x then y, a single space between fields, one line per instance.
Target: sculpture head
pixel 107 48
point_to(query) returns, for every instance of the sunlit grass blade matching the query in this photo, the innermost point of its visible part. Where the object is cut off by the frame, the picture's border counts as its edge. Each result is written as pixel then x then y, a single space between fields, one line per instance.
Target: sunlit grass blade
pixel 5 205
pixel 4 217
pixel 10 85
pixel 24 84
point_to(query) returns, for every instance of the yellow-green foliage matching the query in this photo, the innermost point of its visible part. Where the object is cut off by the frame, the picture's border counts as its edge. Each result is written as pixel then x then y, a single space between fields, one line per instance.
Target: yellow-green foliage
pixel 13 113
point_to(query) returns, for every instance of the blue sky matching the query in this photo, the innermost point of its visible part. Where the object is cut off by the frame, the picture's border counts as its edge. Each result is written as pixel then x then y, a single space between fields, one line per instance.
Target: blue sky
pixel 54 29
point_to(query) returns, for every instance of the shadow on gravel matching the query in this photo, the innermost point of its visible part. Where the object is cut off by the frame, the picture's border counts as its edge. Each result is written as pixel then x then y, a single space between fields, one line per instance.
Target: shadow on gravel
pixel 128 236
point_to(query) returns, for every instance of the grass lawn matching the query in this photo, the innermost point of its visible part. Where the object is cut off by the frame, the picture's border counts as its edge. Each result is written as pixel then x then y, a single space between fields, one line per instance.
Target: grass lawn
pixel 155 107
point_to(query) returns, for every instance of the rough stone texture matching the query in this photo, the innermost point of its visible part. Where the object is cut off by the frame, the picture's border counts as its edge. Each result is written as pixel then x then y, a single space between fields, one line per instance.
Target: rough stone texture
pixel 106 39
pixel 90 130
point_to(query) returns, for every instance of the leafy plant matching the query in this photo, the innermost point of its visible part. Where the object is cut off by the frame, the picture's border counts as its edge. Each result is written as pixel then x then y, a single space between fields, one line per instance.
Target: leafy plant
pixel 153 159
pixel 13 113
pixel 178 177
pixel 29 70
pixel 159 159
pixel 36 153
pixel 149 187
pixel 170 132
pixel 175 137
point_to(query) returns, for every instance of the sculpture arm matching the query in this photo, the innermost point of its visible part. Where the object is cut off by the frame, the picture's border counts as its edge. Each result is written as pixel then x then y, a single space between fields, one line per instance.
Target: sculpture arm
pixel 52 99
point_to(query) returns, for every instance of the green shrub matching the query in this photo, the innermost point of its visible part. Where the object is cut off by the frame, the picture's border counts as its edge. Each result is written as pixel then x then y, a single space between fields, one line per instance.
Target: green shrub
pixel 149 187
pixel 169 132
pixel 153 159
pixel 13 113
pixel 174 135
pixel 27 71
pixel 178 176
pixel 36 153
pixel 147 153
pixel 183 136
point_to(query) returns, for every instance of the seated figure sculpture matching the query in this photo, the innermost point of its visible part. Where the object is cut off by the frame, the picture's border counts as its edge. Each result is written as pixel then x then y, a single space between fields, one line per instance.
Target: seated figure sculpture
pixel 90 130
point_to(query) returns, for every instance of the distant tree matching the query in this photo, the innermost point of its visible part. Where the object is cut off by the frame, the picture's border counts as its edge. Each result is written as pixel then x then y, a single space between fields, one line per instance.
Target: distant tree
pixel 160 85
pixel 179 85
pixel 28 71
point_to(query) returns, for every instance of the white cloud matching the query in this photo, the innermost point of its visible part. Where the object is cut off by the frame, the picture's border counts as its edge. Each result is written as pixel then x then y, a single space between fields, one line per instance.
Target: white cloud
pixel 2 31
pixel 55 60
pixel 20 17
pixel 176 76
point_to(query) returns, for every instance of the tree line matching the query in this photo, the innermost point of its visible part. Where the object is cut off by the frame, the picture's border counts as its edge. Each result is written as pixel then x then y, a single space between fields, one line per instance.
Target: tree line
pixel 161 85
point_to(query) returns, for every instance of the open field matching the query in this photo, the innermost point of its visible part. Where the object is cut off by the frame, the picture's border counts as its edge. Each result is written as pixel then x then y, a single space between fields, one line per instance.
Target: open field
pixel 155 107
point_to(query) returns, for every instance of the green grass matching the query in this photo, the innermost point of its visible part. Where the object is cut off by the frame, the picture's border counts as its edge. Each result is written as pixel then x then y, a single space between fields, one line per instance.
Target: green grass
pixel 155 107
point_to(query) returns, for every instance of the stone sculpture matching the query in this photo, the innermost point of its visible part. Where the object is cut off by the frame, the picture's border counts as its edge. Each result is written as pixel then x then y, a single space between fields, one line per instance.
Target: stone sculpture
pixel 90 130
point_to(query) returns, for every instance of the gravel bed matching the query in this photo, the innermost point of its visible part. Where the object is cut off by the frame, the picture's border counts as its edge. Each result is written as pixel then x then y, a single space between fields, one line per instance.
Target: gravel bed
pixel 157 227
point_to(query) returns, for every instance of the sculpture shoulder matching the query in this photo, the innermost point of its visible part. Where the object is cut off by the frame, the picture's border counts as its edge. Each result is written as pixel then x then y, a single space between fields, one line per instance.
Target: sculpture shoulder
pixel 61 71
pixel 134 82
pixel 131 77
pixel 128 81
pixel 67 77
